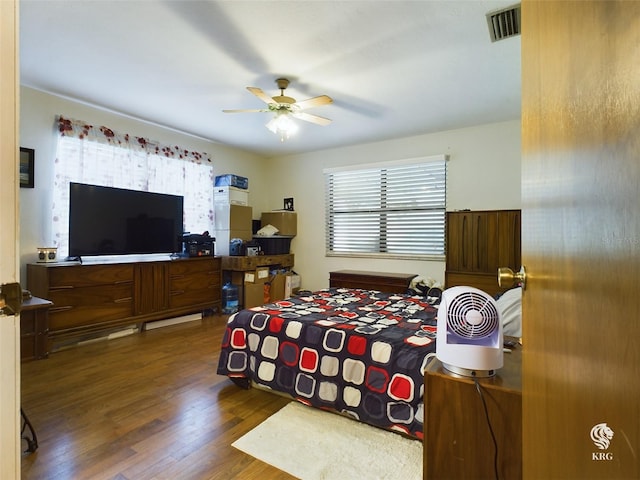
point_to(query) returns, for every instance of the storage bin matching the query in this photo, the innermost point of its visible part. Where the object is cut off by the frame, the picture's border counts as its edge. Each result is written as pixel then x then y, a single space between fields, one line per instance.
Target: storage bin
pixel 274 244
pixel 231 180
pixel 230 196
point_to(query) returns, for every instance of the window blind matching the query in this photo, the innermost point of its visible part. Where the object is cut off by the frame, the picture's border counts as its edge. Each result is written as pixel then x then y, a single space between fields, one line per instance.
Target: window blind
pixel 389 210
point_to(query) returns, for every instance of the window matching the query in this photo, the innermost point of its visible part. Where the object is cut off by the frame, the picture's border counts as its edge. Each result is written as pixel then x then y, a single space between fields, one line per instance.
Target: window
pixel 99 156
pixel 392 209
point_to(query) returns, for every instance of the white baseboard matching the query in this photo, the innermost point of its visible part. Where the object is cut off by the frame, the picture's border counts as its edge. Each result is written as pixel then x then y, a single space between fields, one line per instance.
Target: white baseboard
pixel 172 321
pixel 122 333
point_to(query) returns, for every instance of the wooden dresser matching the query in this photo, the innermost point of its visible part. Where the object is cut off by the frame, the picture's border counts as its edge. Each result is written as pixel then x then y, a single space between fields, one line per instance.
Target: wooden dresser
pixel 457 439
pixel 382 281
pixel 95 297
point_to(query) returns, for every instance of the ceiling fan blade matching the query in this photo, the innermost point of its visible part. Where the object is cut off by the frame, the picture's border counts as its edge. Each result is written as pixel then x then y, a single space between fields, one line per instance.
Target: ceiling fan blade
pixel 307 117
pixel 247 110
pixel 261 95
pixel 314 102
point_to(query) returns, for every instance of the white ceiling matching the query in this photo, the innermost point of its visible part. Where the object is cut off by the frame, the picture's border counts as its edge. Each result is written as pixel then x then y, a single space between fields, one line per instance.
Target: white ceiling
pixel 393 68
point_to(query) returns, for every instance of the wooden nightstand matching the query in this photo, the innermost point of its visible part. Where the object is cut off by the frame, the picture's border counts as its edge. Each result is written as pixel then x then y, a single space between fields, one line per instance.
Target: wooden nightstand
pixel 34 328
pixel 457 440
pixel 384 282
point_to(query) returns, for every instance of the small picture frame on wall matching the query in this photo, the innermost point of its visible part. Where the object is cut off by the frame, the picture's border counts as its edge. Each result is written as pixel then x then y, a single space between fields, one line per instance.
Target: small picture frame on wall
pixel 288 204
pixel 27 157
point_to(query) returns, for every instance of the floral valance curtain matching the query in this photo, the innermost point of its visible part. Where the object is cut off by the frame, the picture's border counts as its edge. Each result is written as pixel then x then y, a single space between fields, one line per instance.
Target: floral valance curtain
pixel 101 156
pixel 85 131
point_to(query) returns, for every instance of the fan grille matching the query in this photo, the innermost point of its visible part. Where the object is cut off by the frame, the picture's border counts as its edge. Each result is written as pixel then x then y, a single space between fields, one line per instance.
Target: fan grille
pixel 472 315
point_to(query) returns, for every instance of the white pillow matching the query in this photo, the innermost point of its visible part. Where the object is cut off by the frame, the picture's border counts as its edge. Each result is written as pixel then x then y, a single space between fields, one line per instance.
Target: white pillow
pixel 510 307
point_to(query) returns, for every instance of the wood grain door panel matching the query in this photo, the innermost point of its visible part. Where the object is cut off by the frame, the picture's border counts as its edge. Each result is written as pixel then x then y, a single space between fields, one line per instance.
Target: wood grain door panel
pixel 580 230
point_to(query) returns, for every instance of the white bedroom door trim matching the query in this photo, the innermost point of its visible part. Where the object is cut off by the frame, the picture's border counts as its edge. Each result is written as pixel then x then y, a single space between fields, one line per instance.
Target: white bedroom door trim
pixel 9 261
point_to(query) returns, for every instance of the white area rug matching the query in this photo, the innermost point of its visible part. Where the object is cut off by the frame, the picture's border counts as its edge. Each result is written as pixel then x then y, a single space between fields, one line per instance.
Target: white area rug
pixel 315 445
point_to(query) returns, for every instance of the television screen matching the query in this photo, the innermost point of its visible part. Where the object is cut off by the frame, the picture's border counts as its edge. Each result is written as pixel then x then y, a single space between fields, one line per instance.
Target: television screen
pixel 116 221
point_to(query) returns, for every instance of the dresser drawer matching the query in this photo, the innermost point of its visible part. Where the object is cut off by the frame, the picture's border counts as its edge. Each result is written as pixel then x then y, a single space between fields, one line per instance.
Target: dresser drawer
pixel 63 318
pixel 206 264
pixel 88 275
pixel 95 295
pixel 207 295
pixel 195 281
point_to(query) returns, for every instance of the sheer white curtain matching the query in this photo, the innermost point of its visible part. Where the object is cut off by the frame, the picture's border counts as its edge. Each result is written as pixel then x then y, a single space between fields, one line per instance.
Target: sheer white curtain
pixel 99 156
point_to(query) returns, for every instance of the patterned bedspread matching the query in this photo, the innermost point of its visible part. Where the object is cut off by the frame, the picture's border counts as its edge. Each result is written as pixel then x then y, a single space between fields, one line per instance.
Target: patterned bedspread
pixel 358 352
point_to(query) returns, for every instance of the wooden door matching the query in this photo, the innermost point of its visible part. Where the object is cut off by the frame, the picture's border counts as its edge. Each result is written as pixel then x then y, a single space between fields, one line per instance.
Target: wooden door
pixel 458 241
pixel 508 241
pixel 9 258
pixel 469 237
pixel 151 287
pixel 483 234
pixel 580 231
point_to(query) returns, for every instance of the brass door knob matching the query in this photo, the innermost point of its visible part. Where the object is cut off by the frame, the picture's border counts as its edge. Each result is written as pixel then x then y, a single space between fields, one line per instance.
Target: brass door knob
pixel 507 278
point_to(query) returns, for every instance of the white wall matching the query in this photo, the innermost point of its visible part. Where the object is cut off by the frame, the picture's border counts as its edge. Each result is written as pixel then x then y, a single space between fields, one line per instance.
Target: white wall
pixel 483 174
pixel 38 111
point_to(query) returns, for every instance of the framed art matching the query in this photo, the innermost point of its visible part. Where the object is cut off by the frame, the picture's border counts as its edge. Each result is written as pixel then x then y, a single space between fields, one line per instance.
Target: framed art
pixel 288 204
pixel 27 156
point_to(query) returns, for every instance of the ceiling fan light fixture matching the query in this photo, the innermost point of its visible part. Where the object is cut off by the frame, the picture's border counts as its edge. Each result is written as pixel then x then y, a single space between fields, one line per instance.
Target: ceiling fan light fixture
pixel 282 124
pixel 285 109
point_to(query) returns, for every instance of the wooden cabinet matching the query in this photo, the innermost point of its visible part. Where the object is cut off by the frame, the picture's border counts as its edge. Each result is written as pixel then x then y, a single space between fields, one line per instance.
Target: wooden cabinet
pixel 151 283
pixel 457 439
pixel 234 268
pixel 98 297
pixel 247 263
pixel 478 243
pixel 194 283
pixel 34 329
pixel 381 281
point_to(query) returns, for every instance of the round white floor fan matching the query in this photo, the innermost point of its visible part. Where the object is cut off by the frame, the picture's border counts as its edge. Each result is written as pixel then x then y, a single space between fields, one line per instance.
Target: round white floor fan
pixel 469 337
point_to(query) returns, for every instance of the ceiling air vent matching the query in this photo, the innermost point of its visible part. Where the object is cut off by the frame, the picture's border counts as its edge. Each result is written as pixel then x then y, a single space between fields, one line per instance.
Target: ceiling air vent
pixel 504 23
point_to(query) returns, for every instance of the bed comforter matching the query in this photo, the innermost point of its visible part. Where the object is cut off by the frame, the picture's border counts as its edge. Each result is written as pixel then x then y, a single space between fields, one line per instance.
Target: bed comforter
pixel 358 352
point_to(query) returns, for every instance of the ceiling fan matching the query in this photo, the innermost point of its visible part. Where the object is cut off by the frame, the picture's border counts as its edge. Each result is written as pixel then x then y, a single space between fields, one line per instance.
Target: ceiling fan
pixel 286 107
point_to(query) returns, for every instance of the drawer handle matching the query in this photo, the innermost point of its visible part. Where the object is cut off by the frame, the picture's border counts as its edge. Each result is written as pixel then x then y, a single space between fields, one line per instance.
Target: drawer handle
pixel 122 300
pixel 62 287
pixel 176 292
pixel 121 282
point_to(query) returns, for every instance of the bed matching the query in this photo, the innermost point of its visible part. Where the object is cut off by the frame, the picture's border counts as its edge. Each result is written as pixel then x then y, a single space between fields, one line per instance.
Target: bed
pixel 358 352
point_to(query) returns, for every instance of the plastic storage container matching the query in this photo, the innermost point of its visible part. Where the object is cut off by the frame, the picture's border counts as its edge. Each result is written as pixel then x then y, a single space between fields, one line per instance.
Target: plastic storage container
pixel 274 244
pixel 231 180
pixel 229 298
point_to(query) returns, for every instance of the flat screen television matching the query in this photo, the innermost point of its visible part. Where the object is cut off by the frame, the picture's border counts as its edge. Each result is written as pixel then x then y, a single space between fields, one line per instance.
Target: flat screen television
pixel 117 221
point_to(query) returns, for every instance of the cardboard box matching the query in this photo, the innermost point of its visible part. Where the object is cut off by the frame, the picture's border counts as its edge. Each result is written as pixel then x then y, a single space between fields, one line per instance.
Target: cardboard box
pixel 255 294
pixel 277 287
pixel 259 275
pixel 230 195
pixel 229 179
pixel 285 222
pixel 233 217
pixel 292 283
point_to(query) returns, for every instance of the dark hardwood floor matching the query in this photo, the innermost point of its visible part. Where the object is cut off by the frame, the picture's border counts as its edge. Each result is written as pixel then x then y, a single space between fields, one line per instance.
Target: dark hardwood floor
pixel 145 406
